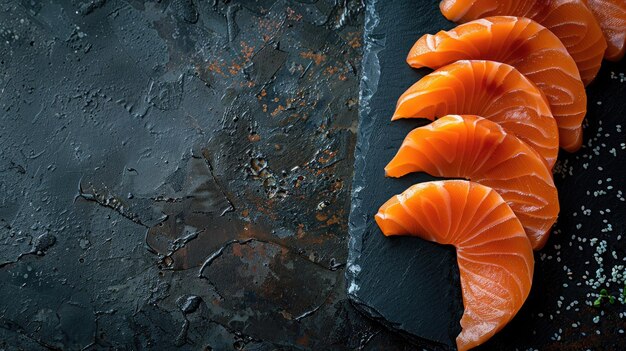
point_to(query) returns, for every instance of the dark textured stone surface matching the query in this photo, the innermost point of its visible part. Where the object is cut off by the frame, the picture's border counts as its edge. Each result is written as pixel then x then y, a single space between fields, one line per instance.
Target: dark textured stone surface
pixel 176 174
pixel 412 286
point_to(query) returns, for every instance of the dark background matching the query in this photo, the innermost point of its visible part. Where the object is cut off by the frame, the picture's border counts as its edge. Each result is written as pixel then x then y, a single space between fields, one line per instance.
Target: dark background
pixel 176 174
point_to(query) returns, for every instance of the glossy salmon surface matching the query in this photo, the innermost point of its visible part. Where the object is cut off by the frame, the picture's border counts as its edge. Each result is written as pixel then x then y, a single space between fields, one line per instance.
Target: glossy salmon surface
pixel 570 20
pixel 524 44
pixel 489 89
pixel 494 255
pixel 611 14
pixel 477 149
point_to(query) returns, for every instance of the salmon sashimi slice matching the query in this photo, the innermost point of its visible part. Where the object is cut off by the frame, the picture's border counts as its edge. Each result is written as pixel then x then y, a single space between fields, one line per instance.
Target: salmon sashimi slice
pixel 524 44
pixel 477 149
pixel 489 89
pixel 611 14
pixel 494 255
pixel 570 20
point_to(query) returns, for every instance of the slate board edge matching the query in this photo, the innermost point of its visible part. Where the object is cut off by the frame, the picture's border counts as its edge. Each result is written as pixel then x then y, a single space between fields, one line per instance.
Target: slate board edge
pixel 369 62
pixel 370 73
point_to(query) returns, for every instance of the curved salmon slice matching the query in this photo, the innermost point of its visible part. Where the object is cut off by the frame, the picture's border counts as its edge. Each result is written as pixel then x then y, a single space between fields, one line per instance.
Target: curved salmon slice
pixel 524 44
pixel 477 149
pixel 492 90
pixel 570 20
pixel 611 14
pixel 494 255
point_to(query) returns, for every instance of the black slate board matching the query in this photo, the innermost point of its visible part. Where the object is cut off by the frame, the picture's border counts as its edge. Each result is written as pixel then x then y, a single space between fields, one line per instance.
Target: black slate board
pixel 412 286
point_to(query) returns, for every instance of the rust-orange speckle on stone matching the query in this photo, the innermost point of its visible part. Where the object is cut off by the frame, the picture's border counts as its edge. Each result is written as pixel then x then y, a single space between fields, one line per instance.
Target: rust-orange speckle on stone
pixel 330 70
pixel 354 40
pixel 234 68
pixel 278 110
pixel 262 94
pixel 292 15
pixel 333 220
pixel 215 67
pixel 254 137
pixel 321 216
pixel 327 156
pixel 317 58
pixel 247 51
pixel 300 232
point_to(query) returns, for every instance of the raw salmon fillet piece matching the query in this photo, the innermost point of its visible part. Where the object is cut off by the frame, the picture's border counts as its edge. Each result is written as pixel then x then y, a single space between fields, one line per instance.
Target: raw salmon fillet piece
pixel 494 255
pixel 611 14
pixel 570 20
pixel 524 44
pixel 489 89
pixel 477 149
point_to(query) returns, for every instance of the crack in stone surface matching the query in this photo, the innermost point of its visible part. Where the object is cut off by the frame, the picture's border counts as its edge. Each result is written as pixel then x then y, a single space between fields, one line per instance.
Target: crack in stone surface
pixel 110 202
pixel 207 158
pixel 21 332
pixel 212 257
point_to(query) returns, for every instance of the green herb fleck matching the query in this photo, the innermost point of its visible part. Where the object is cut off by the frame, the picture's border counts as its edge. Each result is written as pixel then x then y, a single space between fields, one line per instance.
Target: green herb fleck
pixel 597 302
